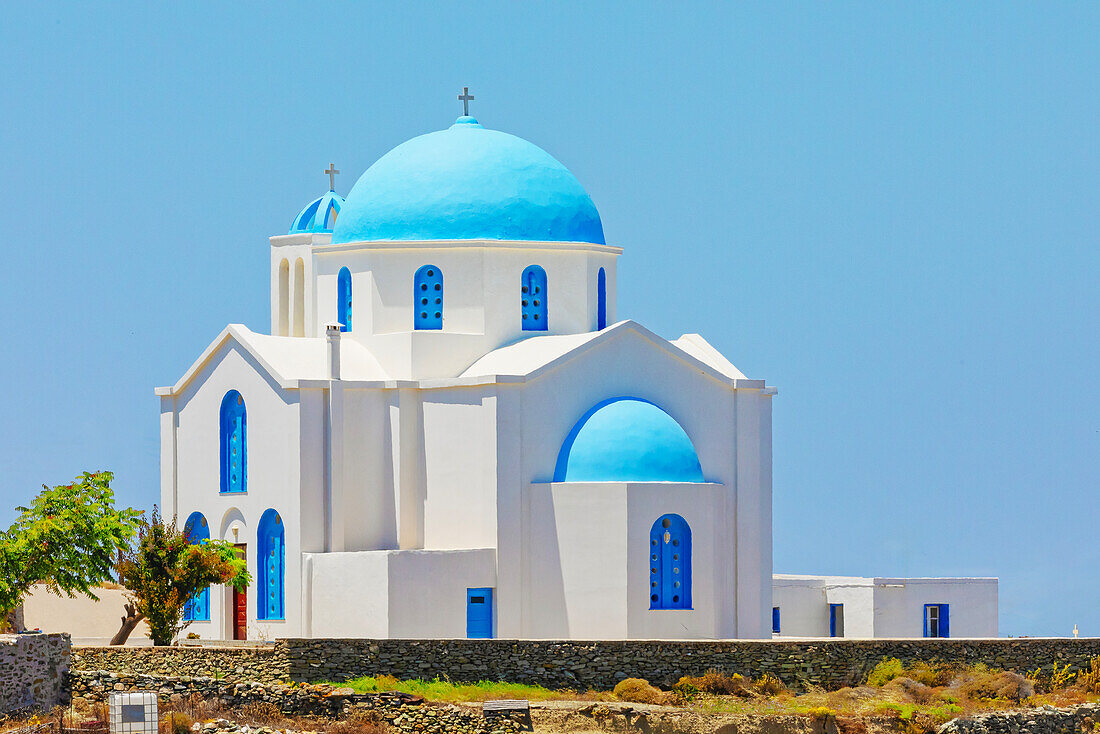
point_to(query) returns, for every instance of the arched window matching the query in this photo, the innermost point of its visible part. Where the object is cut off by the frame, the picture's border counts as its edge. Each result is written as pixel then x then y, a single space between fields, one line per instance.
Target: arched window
pixel 533 295
pixel 428 298
pixel 343 299
pixel 234 450
pixel 272 567
pixel 284 299
pixel 670 563
pixel 299 298
pixel 601 300
pixel 197 531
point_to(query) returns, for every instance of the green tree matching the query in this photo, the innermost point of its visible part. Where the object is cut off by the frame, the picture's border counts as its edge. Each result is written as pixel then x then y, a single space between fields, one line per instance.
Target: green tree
pixel 67 539
pixel 164 570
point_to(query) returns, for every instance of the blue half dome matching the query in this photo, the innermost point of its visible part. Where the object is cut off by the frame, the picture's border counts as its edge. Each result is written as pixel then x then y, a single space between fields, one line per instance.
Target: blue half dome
pixel 468 183
pixel 627 440
pixel 319 215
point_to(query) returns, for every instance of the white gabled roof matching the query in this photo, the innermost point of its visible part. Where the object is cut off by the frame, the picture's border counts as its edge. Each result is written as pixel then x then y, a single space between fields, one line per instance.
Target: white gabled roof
pixel 289 359
pixel 531 357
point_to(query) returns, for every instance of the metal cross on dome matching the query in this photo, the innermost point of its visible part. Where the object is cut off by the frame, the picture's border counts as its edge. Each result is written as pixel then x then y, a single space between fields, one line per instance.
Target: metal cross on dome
pixel 332 171
pixel 465 97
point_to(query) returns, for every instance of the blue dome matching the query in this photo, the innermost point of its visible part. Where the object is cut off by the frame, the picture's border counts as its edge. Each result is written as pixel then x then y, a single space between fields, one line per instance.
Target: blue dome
pixel 468 183
pixel 627 440
pixel 319 215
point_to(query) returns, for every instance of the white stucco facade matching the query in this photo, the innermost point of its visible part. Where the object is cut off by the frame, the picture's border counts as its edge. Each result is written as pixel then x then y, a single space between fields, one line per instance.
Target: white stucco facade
pixel 449 432
pixel 884 607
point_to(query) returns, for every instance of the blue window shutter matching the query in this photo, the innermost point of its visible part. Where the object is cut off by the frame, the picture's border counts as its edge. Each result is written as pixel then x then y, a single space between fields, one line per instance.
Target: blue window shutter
pixel 601 301
pixel 533 304
pixel 197 531
pixel 271 567
pixel 670 563
pixel 833 610
pixel 926 632
pixel 343 299
pixel 775 620
pixel 945 630
pixel 428 298
pixel 234 448
pixel 479 613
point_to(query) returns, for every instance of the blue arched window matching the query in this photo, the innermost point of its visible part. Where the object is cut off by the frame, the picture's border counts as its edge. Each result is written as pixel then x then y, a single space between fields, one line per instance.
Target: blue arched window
pixel 670 563
pixel 272 567
pixel 234 448
pixel 197 531
pixel 343 299
pixel 601 300
pixel 533 298
pixel 428 298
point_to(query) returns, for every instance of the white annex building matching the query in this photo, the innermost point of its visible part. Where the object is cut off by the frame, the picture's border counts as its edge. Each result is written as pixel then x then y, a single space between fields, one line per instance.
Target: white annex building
pixel 449 432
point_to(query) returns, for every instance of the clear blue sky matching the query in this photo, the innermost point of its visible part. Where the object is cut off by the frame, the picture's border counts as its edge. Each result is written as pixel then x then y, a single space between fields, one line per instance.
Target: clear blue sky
pixel 891 211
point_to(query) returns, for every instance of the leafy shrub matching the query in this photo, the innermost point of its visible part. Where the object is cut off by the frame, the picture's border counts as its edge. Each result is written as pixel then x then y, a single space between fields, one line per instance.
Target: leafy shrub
pixel 986 684
pixel 176 723
pixel 886 670
pixel 768 685
pixel 913 690
pixel 820 712
pixel 717 683
pixel 639 690
pixel 1089 678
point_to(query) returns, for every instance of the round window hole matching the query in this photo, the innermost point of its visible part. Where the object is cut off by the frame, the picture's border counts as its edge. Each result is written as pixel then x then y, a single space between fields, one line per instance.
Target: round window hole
pixel 653 598
pixel 666 523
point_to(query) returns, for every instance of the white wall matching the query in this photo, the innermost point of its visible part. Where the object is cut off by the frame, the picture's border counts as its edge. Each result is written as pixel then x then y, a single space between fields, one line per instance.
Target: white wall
pixel 401 594
pixel 275 444
pixel 899 605
pixel 90 622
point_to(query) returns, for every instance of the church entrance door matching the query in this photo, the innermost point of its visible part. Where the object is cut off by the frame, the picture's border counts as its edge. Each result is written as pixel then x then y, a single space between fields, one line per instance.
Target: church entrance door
pixel 240 604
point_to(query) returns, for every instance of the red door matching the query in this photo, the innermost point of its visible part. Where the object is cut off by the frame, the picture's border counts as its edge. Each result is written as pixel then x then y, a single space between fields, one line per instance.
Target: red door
pixel 240 606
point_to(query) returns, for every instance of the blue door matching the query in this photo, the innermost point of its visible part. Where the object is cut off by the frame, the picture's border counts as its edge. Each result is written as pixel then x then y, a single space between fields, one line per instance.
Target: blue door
pixel 836 620
pixel 479 613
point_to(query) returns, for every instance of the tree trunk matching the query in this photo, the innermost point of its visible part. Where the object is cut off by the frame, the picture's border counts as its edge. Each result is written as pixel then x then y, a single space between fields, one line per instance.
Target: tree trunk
pixel 13 620
pixel 131 620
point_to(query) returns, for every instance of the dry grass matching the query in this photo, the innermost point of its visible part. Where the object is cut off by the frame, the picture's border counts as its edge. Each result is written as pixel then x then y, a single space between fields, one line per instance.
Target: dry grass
pixel 639 690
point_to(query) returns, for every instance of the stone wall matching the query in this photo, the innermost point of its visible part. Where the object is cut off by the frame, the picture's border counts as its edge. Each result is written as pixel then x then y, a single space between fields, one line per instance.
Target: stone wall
pixel 600 665
pixel 33 671
pixel 576 664
pixel 402 712
pixel 260 663
pixel 1044 720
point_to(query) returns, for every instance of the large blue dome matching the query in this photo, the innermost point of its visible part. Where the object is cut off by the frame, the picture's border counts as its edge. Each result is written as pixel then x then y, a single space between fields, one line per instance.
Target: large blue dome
pixel 468 183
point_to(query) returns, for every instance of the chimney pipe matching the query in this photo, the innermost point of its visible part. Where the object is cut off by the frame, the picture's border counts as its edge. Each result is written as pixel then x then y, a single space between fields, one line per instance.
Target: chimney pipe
pixel 332 334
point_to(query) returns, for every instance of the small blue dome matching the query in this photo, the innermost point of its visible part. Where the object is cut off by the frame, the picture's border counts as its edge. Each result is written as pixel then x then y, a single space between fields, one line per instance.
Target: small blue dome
pixel 627 440
pixel 319 215
pixel 468 183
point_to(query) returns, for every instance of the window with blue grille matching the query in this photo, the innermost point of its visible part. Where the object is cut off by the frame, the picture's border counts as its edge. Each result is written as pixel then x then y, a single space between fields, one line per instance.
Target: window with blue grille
pixel 428 298
pixel 197 532
pixel 533 298
pixel 775 620
pixel 601 300
pixel 670 563
pixel 343 299
pixel 937 620
pixel 234 449
pixel 272 567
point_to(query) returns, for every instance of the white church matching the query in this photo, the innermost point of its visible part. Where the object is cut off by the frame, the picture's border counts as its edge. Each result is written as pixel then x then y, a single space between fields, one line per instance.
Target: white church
pixel 449 431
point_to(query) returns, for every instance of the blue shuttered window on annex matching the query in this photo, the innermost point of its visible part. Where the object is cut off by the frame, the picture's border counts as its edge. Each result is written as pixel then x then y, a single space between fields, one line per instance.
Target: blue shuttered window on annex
pixel 428 298
pixel 601 300
pixel 343 299
pixel 197 531
pixel 272 567
pixel 937 620
pixel 234 443
pixel 533 303
pixel 670 563
pixel 479 613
